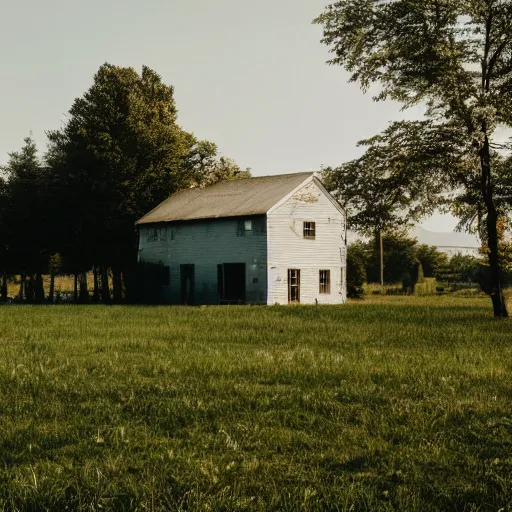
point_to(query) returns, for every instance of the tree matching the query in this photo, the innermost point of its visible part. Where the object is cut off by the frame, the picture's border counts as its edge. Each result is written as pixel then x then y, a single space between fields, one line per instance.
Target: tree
pixel 4 267
pixel 24 220
pixel 431 259
pixel 206 167
pixel 453 56
pixel 357 261
pixel 380 193
pixel 459 268
pixel 120 154
pixel 400 259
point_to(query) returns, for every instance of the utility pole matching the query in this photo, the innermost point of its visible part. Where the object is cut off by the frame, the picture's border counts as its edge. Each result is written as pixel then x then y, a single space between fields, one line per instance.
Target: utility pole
pixel 381 244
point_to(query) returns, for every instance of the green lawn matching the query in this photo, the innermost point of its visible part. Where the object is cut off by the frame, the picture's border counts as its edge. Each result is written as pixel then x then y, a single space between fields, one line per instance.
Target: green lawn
pixel 386 404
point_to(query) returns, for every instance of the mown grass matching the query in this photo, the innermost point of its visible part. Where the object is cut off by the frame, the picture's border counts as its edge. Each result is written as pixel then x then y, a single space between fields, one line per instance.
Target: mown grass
pixel 392 403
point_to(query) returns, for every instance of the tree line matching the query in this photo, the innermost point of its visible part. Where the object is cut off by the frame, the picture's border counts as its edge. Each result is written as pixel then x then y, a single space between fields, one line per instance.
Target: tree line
pixel 73 210
pixel 406 263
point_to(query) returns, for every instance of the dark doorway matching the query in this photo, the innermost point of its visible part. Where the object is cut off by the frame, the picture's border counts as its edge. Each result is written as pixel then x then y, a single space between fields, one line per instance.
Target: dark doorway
pixel 231 282
pixel 188 284
pixel 293 285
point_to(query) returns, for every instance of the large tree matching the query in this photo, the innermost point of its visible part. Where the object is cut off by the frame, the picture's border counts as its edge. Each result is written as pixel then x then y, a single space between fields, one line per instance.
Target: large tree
pixel 453 56
pixel 120 154
pixel 391 186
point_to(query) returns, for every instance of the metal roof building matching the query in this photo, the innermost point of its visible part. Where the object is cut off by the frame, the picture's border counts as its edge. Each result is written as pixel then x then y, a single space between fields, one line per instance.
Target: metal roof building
pixel 274 239
pixel 251 196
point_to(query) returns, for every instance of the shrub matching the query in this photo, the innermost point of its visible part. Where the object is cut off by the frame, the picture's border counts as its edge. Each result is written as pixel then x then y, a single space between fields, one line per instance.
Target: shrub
pixel 356 271
pixel 427 287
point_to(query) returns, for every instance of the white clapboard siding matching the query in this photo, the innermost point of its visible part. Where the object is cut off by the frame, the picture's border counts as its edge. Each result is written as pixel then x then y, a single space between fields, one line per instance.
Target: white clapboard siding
pixel 206 244
pixel 287 248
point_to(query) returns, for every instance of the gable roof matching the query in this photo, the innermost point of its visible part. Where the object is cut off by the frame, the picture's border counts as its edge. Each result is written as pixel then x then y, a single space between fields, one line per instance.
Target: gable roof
pixel 250 196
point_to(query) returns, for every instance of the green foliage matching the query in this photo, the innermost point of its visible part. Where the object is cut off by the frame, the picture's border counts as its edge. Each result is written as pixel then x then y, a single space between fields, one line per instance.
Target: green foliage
pixel 55 264
pixel 399 259
pixel 431 259
pixel 357 260
pixel 207 167
pixel 460 268
pixel 427 287
pixel 453 57
pixel 398 180
pixel 420 278
pixel 24 218
pixel 120 153
pixel 159 408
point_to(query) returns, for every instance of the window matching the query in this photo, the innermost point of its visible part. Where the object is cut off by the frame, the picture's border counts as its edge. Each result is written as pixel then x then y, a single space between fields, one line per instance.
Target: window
pixel 255 226
pixel 325 281
pixel 240 230
pixel 293 285
pixel 152 235
pixel 309 230
pixel 259 225
pixel 157 235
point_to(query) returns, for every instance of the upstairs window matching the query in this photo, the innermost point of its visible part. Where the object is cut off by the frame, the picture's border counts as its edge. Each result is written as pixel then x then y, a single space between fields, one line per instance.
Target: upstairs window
pixel 259 225
pixel 157 235
pixel 152 235
pixel 255 226
pixel 325 281
pixel 309 230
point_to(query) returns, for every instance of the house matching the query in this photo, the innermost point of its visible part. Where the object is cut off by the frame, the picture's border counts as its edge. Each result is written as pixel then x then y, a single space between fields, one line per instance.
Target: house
pixel 267 240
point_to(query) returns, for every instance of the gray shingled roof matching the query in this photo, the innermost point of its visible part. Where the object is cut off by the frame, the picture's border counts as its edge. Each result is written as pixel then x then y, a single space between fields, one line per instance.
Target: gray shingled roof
pixel 251 196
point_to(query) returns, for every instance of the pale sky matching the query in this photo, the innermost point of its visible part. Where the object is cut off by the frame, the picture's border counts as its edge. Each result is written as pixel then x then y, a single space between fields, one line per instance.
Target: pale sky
pixel 249 76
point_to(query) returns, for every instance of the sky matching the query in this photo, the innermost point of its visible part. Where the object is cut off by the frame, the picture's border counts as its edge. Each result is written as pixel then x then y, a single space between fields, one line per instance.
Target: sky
pixel 250 76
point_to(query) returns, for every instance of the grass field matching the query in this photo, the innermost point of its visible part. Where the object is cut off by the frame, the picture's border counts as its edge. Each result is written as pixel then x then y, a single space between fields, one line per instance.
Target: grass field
pixel 391 403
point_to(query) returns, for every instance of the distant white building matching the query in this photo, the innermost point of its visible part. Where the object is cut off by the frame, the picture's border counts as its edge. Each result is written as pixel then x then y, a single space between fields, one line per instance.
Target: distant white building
pixel 449 243
pixel 269 240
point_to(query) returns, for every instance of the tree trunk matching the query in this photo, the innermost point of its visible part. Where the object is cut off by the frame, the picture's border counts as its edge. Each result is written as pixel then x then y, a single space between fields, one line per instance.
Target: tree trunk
pixel 30 289
pixel 96 293
pixel 4 287
pixel 51 293
pixel 75 288
pixel 498 300
pixel 84 292
pixel 38 289
pixel 105 289
pixel 21 293
pixel 117 285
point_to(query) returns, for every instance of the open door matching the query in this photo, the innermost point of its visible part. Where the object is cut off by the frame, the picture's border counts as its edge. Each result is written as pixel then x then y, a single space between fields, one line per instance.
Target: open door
pixel 231 282
pixel 293 286
pixel 188 285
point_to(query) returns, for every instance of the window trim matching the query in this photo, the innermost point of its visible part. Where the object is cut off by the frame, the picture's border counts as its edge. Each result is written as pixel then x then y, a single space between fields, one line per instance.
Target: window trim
pixel 293 274
pixel 309 230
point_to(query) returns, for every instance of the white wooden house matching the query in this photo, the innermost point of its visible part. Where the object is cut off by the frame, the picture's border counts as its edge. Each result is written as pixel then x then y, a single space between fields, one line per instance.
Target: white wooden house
pixel 269 240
